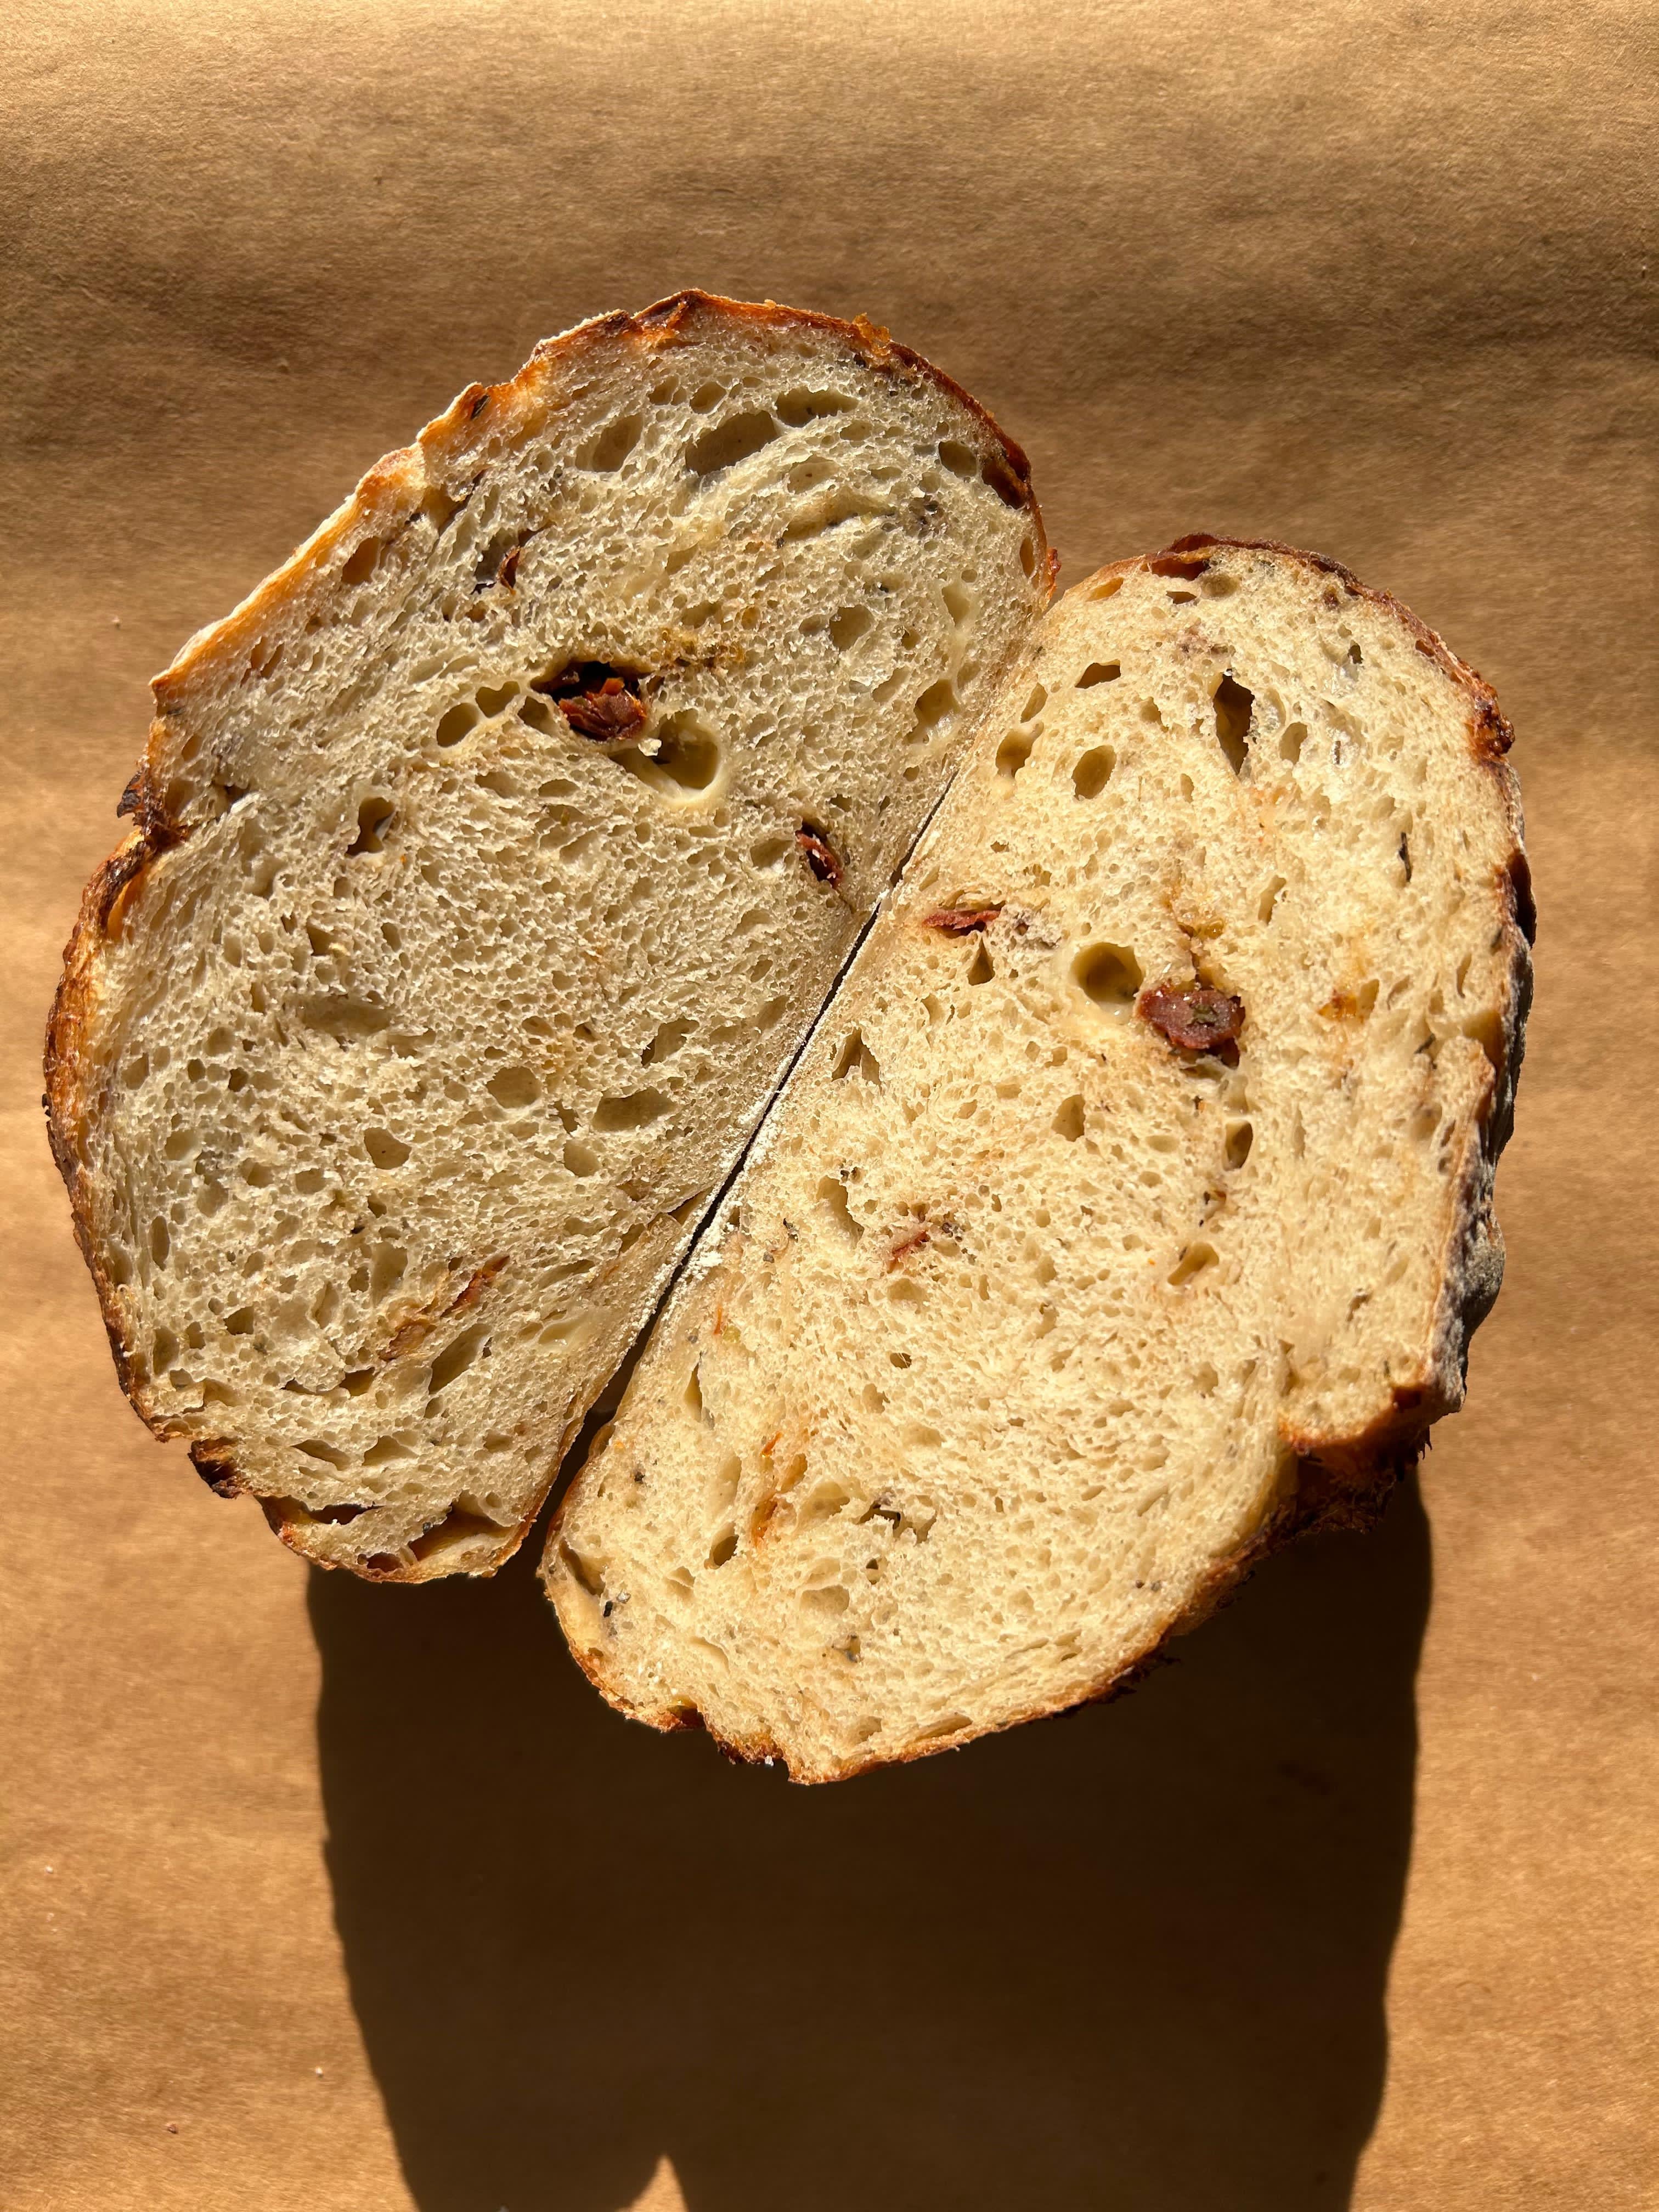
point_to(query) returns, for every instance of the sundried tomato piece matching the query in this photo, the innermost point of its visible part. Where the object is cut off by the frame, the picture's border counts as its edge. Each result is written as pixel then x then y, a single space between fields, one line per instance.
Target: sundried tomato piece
pixel 611 712
pixel 820 858
pixel 961 920
pixel 1194 1018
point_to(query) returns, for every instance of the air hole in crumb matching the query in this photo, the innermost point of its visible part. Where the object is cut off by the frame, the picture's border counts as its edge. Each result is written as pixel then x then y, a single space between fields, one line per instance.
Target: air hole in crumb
pixel 1291 744
pixel 331 1454
pixel 515 1088
pixel 1034 705
pixel 580 1159
pixel 856 1054
pixel 670 1036
pixel 360 567
pixel 1110 975
pixel 833 1192
pixel 847 628
pixel 1219 585
pixel 725 1544
pixel 634 1109
pixel 957 458
pixel 346 1019
pixel 373 819
pixel 1233 706
pixel 732 441
pixel 951 1725
pixel 459 1526
pixel 798 408
pixel 613 445
pixel 457 722
pixel 981 971
pixel 1240 1137
pixel 937 700
pixel 1099 672
pixel 686 758
pixel 1269 899
pixel 1193 1263
pixel 1091 775
pixel 458 1357
pixel 1068 1119
pixel 1012 753
pixel 586 1574
pixel 1028 556
pixel 384 1149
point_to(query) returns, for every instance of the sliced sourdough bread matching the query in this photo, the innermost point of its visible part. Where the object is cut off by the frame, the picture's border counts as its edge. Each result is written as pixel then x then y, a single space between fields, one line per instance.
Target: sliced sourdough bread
pixel 1130 1208
pixel 489 863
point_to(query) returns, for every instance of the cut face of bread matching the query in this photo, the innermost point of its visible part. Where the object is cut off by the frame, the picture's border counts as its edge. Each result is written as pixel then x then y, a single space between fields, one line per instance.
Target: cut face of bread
pixel 1131 1207
pixel 488 865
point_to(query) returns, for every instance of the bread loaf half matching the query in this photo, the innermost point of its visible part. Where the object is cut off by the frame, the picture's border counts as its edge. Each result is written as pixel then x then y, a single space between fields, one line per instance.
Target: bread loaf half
pixel 487 867
pixel 1130 1209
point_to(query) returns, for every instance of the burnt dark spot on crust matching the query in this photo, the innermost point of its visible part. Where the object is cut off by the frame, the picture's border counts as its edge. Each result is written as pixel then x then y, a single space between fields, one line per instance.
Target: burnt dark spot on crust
pixel 1490 731
pixel 961 920
pixel 821 856
pixel 218 1473
pixel 1522 905
pixel 668 314
pixel 1195 1017
pixel 1007 486
pixel 477 407
pixel 132 800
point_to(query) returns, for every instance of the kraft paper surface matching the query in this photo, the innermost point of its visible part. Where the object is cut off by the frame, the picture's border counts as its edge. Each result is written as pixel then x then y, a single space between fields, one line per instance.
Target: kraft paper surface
pixel 325 1896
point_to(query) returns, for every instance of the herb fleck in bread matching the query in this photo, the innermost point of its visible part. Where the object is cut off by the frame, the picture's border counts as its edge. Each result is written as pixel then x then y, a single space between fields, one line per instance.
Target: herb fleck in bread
pixel 487 865
pixel 1130 1208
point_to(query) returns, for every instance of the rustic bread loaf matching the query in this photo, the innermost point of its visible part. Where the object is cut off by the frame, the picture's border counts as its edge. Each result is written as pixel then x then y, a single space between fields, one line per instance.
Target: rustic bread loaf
pixel 488 864
pixel 1131 1207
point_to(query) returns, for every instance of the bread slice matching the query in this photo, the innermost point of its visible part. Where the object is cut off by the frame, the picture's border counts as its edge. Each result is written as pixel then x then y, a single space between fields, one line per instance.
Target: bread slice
pixel 487 866
pixel 1130 1208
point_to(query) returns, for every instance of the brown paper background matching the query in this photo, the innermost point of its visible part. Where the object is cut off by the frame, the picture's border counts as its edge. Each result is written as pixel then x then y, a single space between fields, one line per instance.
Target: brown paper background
pixel 360 1898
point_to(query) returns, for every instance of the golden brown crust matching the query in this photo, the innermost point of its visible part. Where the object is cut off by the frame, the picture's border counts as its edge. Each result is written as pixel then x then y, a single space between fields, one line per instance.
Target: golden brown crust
pixel 385 501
